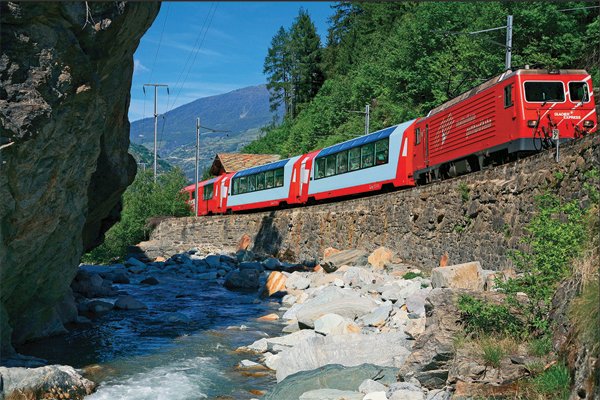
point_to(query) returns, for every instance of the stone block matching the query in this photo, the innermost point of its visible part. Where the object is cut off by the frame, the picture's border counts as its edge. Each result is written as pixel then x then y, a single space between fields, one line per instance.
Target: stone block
pixel 460 276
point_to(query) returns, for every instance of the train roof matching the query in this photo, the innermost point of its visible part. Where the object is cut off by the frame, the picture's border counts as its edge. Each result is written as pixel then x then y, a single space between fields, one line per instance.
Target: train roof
pixel 499 78
pixel 262 168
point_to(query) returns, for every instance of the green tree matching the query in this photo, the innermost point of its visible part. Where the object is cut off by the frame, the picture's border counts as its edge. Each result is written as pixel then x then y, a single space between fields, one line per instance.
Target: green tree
pixel 277 68
pixel 142 200
pixel 305 50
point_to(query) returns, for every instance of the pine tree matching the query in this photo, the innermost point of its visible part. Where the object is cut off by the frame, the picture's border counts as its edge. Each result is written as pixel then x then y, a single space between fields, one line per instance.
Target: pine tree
pixel 306 72
pixel 277 67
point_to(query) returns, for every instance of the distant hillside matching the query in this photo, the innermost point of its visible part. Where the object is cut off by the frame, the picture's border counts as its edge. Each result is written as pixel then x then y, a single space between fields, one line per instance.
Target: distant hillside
pixel 145 158
pixel 242 112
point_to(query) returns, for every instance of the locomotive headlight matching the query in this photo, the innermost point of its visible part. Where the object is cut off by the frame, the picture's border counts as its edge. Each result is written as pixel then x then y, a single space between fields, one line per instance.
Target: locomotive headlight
pixel 588 123
pixel 532 123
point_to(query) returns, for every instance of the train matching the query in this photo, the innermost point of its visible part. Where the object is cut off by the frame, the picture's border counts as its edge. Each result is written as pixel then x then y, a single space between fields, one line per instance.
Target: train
pixel 513 114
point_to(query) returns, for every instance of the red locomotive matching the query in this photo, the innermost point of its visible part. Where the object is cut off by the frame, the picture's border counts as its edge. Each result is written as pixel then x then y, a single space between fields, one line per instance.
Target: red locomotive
pixel 517 112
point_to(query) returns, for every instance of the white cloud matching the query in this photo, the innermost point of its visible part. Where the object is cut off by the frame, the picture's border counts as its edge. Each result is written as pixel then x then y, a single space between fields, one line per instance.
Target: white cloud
pixel 138 67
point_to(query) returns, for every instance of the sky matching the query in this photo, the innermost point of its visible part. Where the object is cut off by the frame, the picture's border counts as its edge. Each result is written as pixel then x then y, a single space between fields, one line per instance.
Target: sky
pixel 203 49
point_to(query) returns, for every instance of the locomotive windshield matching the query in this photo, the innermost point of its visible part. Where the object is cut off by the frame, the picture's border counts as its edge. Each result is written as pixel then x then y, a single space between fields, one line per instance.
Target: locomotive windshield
pixel 547 92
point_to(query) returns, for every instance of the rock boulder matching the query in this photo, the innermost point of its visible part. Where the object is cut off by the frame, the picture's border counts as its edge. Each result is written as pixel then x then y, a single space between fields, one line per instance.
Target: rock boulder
pixel 460 276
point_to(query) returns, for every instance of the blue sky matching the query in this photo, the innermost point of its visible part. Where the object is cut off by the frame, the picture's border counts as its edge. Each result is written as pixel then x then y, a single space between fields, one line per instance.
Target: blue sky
pixel 231 54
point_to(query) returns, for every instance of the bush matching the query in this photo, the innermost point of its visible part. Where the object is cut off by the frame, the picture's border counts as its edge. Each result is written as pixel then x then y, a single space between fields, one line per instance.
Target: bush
pixel 482 317
pixel 585 314
pixel 412 275
pixel 142 200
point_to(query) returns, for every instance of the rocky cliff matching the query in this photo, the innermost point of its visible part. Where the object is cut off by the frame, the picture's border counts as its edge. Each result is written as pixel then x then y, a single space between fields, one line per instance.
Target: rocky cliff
pixel 65 77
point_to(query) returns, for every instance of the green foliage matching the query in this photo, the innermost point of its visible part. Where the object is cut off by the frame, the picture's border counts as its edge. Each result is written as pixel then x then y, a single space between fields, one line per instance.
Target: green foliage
pixel 483 317
pixel 541 346
pixel 397 57
pixel 412 275
pixel 556 236
pixel 142 200
pixel 554 382
pixel 464 191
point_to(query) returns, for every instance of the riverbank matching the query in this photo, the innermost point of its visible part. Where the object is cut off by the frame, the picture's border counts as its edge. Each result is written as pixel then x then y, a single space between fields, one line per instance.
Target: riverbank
pixel 243 326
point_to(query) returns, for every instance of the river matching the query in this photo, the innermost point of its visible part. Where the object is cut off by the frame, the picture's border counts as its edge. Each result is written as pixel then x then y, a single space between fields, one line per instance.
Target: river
pixel 178 349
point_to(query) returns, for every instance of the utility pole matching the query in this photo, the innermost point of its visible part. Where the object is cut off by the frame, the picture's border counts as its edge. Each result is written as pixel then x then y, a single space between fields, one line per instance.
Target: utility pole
pixel 367 117
pixel 366 113
pixel 156 86
pixel 509 28
pixel 197 160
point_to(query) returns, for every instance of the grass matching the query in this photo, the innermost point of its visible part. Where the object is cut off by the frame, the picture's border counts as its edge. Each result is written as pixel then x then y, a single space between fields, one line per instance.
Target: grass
pixel 464 191
pixel 493 354
pixel 554 383
pixel 541 347
pixel 585 315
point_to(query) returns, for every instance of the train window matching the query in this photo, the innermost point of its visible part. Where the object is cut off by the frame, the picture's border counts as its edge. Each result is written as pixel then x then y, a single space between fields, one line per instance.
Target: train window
pixel 320 168
pixel 279 177
pixel 208 192
pixel 330 165
pixel 366 153
pixel 578 91
pixel 342 162
pixel 243 185
pixel 234 190
pixel 269 179
pixel 251 183
pixel 354 159
pixel 417 135
pixel 192 195
pixel 260 181
pixel 381 151
pixel 548 92
pixel 508 101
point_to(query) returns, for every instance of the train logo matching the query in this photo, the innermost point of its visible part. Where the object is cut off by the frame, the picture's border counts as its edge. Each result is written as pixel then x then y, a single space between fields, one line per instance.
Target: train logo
pixel 445 127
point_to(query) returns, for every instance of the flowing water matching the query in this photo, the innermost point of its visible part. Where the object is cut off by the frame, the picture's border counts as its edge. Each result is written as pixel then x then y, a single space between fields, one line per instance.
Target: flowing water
pixel 178 349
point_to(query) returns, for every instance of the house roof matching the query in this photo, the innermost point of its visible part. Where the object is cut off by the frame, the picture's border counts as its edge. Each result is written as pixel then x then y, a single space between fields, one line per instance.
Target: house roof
pixel 232 162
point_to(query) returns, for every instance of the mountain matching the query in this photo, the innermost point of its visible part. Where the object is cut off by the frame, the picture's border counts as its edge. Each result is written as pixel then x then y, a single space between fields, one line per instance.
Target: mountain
pixel 145 158
pixel 242 112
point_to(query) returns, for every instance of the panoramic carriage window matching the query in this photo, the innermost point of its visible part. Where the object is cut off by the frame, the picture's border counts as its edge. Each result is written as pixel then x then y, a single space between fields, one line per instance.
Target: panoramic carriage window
pixel 342 162
pixel 269 179
pixel 234 190
pixel 279 177
pixel 260 181
pixel 549 92
pixel 508 101
pixel 578 91
pixel 320 168
pixel 251 183
pixel 354 158
pixel 330 165
pixel 381 152
pixel 366 154
pixel 243 185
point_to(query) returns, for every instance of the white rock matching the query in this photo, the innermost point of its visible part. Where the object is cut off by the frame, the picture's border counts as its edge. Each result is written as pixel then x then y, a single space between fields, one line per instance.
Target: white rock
pixel 415 327
pixel 271 360
pixel 330 394
pixel 248 364
pixel 369 386
pixel 375 396
pixel 288 299
pixel 297 281
pixel 338 282
pixel 333 324
pixel 407 395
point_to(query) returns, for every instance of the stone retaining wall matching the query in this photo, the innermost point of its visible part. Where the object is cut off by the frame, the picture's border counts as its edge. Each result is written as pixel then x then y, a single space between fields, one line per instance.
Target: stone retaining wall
pixel 476 217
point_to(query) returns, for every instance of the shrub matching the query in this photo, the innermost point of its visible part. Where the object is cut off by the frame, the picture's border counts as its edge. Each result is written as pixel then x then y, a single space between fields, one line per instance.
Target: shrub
pixel 412 275
pixel 482 317
pixel 142 200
